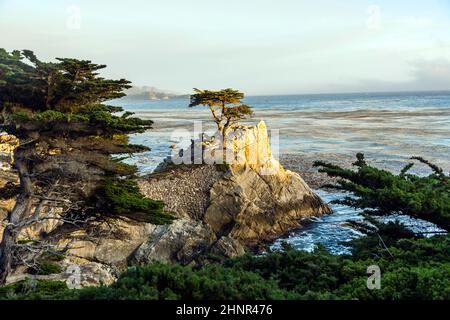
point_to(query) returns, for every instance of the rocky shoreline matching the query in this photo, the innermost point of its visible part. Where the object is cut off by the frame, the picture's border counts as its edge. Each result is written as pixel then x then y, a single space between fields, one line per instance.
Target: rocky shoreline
pixel 303 165
pixel 224 210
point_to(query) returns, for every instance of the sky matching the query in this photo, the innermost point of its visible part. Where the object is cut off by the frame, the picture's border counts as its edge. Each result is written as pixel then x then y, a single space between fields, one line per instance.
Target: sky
pixel 260 47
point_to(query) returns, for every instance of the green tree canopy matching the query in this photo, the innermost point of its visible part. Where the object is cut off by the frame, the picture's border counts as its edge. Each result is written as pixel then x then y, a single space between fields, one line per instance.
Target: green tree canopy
pixel 424 197
pixel 68 140
pixel 226 106
pixel 68 85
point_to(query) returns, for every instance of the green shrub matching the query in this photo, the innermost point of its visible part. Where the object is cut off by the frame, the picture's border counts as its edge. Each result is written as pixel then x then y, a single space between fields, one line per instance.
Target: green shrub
pixel 167 282
pixel 384 193
pixel 51 115
pixel 417 269
pixel 21 116
pixel 46 268
pixel 53 255
pixel 33 290
pixel 123 197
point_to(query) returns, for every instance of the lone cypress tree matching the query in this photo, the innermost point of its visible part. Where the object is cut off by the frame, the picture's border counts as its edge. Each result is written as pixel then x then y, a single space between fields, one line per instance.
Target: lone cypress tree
pixel 226 108
pixel 68 137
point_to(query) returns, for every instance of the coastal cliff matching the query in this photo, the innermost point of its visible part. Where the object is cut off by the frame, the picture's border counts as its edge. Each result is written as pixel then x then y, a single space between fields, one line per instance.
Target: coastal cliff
pixel 220 209
pixel 251 199
pixel 259 199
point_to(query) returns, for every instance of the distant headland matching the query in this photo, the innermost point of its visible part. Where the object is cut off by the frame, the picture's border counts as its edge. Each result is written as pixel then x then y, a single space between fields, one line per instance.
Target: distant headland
pixel 152 93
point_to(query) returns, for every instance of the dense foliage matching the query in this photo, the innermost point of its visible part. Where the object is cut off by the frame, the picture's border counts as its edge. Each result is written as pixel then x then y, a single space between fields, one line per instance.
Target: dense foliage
pixel 427 198
pixel 122 197
pixel 68 141
pixel 57 108
pixel 412 269
pixel 67 85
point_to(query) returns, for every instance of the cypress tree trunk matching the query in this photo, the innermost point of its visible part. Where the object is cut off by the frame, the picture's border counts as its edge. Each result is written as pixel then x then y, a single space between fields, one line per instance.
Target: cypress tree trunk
pixel 20 211
pixel 224 146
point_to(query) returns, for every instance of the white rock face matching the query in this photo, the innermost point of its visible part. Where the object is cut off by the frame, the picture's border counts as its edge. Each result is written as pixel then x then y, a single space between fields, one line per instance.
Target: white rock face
pixel 251 148
pixel 259 199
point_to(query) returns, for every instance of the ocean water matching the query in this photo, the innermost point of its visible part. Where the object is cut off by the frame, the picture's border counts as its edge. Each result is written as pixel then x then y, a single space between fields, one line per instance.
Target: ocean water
pixel 333 232
pixel 388 128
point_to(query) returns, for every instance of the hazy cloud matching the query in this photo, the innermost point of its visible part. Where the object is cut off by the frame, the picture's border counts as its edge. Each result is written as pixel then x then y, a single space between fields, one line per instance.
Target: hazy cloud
pixel 258 46
pixel 425 75
pixel 431 75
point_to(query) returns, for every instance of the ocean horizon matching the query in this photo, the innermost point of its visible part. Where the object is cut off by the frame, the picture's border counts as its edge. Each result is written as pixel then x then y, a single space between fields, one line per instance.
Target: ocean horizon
pixel 388 127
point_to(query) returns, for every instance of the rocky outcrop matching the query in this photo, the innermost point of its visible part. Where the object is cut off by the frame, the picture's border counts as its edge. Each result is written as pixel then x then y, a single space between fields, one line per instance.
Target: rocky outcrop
pixel 220 209
pixel 77 273
pixel 253 199
pixel 8 143
pixel 252 207
pixel 181 241
pixel 227 247
pixel 184 189
pixel 110 242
